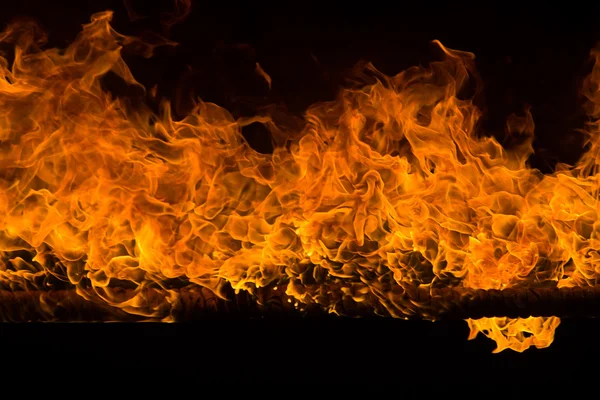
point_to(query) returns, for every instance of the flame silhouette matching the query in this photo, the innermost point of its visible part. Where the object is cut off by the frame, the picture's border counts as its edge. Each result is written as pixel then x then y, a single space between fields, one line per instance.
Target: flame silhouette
pixel 388 187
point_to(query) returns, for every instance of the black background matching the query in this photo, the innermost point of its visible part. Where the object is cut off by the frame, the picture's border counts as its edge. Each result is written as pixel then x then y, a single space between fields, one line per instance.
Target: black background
pixel 533 56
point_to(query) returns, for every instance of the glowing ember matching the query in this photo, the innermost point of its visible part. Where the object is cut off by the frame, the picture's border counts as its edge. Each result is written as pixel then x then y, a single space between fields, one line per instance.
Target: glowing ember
pixel 387 187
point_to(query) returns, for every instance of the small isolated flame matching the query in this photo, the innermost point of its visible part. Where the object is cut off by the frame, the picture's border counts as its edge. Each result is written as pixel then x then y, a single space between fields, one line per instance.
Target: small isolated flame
pixel 388 186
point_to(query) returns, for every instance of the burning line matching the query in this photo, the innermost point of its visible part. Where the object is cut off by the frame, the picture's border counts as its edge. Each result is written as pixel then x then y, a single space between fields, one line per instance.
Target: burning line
pixel 388 186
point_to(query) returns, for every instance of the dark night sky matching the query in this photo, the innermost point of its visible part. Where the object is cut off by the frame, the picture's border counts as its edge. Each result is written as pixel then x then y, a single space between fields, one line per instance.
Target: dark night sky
pixel 532 56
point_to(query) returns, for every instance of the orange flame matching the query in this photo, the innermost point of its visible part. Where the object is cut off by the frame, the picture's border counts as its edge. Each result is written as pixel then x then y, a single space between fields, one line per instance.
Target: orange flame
pixel 388 186
pixel 516 334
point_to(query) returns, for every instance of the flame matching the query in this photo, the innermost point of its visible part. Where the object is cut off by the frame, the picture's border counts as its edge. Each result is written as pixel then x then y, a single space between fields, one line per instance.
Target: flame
pixel 387 187
pixel 516 334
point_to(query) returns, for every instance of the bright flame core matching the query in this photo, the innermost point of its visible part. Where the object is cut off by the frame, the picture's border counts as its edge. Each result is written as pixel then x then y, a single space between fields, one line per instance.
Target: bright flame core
pixel 388 186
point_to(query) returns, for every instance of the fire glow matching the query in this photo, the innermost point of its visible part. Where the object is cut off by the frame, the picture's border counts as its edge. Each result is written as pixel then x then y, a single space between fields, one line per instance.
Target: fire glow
pixel 388 187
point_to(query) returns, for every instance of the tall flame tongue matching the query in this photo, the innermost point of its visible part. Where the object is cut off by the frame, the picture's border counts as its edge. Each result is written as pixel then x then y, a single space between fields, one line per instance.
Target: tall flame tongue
pixel 384 188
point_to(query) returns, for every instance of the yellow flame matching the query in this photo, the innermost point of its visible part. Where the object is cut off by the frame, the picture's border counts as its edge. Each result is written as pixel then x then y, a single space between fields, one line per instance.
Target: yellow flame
pixel 516 334
pixel 386 187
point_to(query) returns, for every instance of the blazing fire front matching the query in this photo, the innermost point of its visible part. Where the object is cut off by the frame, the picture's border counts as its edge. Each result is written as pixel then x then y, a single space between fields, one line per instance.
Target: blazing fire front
pixel 388 189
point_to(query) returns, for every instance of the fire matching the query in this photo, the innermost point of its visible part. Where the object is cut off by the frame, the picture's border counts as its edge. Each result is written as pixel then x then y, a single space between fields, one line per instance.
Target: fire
pixel 516 334
pixel 390 186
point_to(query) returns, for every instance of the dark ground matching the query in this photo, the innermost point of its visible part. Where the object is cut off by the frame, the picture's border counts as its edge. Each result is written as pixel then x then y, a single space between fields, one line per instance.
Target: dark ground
pixel 536 57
